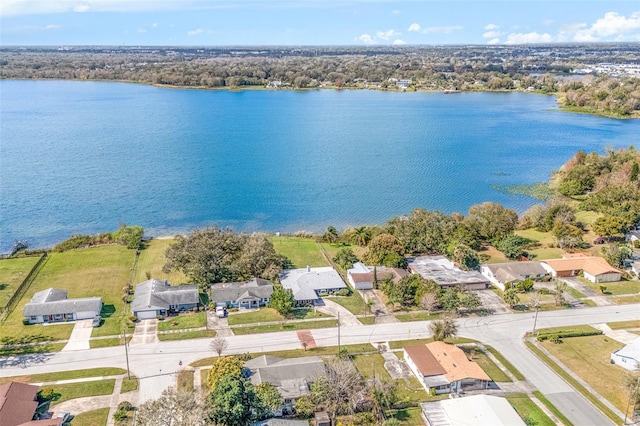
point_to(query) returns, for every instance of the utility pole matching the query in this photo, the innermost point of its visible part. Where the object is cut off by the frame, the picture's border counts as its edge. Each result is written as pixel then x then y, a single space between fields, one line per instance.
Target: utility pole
pixel 126 351
pixel 338 333
pixel 535 320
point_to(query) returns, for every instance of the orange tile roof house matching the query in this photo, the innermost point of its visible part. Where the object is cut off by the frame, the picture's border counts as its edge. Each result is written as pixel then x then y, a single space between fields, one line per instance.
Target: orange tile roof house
pixel 445 368
pixel 594 268
pixel 18 405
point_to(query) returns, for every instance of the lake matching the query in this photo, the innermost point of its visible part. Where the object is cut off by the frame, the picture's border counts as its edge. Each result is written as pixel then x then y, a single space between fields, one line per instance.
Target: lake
pixel 82 157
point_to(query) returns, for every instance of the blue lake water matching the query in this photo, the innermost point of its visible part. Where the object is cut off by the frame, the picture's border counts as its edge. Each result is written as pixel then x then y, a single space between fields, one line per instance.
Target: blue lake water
pixel 82 157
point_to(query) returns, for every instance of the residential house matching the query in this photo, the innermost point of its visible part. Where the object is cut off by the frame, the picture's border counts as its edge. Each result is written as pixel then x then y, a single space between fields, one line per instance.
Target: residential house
pixel 628 357
pixel 445 273
pixel 404 83
pixel 594 268
pixel 282 422
pixel 444 368
pixel 52 305
pixel 501 274
pixel 292 377
pixel 635 267
pixel 308 284
pixel 154 298
pixel 632 236
pixel 322 419
pixel 476 410
pixel 361 277
pixel 249 294
pixel 18 404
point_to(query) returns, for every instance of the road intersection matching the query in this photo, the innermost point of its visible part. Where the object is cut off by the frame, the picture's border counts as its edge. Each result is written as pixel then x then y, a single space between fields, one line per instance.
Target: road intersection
pixel 155 364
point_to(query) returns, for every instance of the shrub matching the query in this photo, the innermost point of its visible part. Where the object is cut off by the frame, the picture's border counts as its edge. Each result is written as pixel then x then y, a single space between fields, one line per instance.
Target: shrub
pixel 133 318
pixel 555 337
pixel 343 292
pixel 125 406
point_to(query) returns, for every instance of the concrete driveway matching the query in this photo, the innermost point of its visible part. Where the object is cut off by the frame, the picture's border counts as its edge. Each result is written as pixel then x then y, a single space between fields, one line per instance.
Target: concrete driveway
pixel 492 302
pixel 146 332
pixel 80 336
pixel 220 325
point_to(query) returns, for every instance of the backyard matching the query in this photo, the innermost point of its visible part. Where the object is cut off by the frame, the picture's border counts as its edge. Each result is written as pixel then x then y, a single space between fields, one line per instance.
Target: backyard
pixel 12 272
pixel 302 252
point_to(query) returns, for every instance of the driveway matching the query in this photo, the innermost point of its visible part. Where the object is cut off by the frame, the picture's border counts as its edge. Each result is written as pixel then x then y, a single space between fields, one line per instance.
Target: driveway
pixel 220 325
pixel 599 299
pixel 379 309
pixel 146 332
pixel 492 302
pixel 80 336
pixel 330 307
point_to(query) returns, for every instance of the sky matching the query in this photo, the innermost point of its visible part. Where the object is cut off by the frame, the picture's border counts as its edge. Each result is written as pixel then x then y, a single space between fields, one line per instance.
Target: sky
pixel 315 22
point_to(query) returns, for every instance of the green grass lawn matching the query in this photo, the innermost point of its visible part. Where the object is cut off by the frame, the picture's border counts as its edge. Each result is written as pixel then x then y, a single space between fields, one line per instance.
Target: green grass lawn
pixel 486 363
pixel 185 380
pixel 98 271
pixel 129 385
pixel 528 410
pixel 97 417
pixel 12 272
pixel 416 316
pixel 65 375
pixel 626 300
pixel 82 389
pixel 552 408
pixel 353 303
pixel 622 325
pixel 589 358
pixel 568 329
pixel 332 249
pixel 204 379
pixel 103 343
pixel 152 260
pixel 587 217
pixel 410 416
pixel 399 344
pixel 616 288
pixel 182 321
pixel 368 320
pixel 36 349
pixel 286 327
pixel 269 315
pixel 196 334
pixel 300 251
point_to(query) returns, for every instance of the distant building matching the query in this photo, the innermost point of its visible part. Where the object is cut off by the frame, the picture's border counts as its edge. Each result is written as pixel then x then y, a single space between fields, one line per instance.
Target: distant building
pixel 476 410
pixel 274 84
pixel 404 83
pixel 361 276
pixel 513 272
pixel 253 293
pixel 445 273
pixel 308 284
pixel 155 297
pixel 52 305
pixel 628 357
pixel 594 268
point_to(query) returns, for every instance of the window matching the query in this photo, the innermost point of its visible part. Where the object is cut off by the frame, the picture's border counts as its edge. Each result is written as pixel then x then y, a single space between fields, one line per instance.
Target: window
pixel 33 318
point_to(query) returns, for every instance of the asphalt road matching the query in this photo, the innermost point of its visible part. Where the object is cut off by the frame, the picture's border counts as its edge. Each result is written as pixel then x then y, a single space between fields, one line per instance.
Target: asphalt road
pixel 155 364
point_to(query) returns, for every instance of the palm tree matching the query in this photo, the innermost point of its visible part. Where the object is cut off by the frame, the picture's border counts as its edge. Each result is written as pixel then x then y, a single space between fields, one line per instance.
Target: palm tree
pixel 443 329
pixel 330 235
pixel 560 288
pixel 510 297
pixel 362 235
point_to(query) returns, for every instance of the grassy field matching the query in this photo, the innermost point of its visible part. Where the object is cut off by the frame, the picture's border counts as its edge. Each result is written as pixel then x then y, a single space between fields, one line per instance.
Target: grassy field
pixel 622 325
pixel 12 272
pixel 617 288
pixel 65 375
pixel 195 334
pixel 399 344
pixel 99 271
pixel 269 314
pixel 568 329
pixel 332 249
pixel 36 349
pixel 82 390
pixel 152 260
pixel 369 320
pixel 97 417
pixel 182 321
pixel 626 300
pixel 492 255
pixel 416 316
pixel 103 343
pixel 527 409
pixel 300 251
pixel 285 327
pixel 588 358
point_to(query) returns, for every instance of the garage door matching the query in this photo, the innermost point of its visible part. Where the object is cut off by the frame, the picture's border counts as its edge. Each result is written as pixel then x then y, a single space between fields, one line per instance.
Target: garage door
pixel 146 314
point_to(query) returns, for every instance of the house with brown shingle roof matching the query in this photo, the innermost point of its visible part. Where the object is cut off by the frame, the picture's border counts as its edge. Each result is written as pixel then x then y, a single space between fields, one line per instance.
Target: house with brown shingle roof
pixel 594 268
pixel 18 405
pixel 444 368
pixel 361 277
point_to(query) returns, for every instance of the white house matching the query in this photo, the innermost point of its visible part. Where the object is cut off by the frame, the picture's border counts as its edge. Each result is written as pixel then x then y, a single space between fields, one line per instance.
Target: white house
pixel 52 305
pixel 249 294
pixel 501 274
pixel 594 268
pixel 476 410
pixel 308 284
pixel 629 356
pixel 361 277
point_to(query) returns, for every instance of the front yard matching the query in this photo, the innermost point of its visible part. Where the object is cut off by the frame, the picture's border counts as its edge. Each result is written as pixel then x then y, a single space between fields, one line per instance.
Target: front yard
pixel 182 321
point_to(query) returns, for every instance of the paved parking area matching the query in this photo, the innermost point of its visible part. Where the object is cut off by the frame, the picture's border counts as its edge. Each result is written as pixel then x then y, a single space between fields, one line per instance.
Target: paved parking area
pixel 80 336
pixel 146 332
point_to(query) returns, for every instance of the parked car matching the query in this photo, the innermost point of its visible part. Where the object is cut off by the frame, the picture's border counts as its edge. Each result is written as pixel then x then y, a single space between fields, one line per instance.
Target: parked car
pixel 65 416
pixel 221 311
pixel 97 320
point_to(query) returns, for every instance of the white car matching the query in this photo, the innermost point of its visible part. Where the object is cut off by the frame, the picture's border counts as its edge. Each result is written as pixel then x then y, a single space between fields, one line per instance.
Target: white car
pixel 221 311
pixel 64 415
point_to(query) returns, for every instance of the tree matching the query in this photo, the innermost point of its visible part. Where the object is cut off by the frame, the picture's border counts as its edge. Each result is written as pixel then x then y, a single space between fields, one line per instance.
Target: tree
pixel 608 226
pixel 429 302
pixel 469 300
pixel 224 366
pixel 514 246
pixel 361 235
pixel 408 290
pixel 233 402
pixel 171 409
pixel 568 236
pixel 259 258
pixel 450 299
pixel 633 387
pixel 615 254
pixel 282 300
pixel 269 396
pixel 510 297
pixel 219 344
pixel 560 287
pixel 330 235
pixel 492 220
pixel 341 390
pixel 466 257
pixel 385 249
pixel 131 236
pixel 443 329
pixel 345 258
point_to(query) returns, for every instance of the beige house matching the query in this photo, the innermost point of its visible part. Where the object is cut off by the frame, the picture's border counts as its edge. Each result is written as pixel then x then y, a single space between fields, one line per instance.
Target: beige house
pixel 593 268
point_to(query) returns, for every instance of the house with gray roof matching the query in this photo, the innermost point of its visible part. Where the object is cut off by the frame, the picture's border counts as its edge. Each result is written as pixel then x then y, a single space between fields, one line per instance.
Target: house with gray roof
pixel 155 297
pixel 308 284
pixel 52 305
pixel 501 274
pixel 629 356
pixel 361 276
pixel 446 274
pixel 292 377
pixel 249 294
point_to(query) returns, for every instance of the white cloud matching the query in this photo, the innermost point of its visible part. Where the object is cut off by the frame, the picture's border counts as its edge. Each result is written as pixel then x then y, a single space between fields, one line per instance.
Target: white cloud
pixel 366 39
pixel 142 30
pixel 442 30
pixel 386 35
pixel 399 42
pixel 395 12
pixel 491 34
pixel 414 27
pixel 612 26
pixel 195 32
pixel 494 41
pixel 527 38
pixel 491 27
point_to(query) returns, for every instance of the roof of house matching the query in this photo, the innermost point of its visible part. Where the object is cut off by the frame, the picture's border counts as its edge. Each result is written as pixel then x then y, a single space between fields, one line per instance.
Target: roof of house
pixel 514 271
pixel 17 403
pixel 476 410
pixel 254 288
pixel 364 274
pixel 444 272
pixel 291 376
pixel 439 358
pixel 43 422
pixel 635 233
pixel 156 294
pixel 593 265
pixel 632 350
pixel 305 282
pixel 54 301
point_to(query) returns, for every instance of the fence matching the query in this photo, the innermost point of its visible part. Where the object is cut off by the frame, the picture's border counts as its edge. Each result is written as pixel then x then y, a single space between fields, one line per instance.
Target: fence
pixel 22 288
